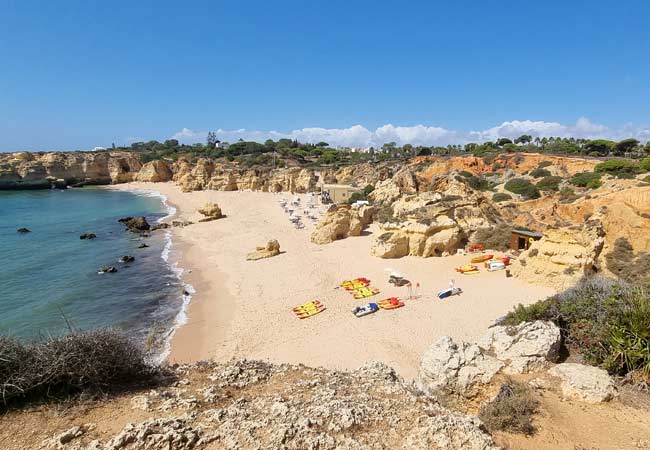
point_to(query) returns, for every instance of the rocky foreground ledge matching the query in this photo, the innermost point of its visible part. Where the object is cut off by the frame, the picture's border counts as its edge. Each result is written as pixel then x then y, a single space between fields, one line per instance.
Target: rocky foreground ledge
pixel 247 404
pixel 253 404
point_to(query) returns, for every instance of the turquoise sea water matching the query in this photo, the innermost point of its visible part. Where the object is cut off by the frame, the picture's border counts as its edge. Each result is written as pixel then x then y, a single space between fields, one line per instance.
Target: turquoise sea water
pixel 48 278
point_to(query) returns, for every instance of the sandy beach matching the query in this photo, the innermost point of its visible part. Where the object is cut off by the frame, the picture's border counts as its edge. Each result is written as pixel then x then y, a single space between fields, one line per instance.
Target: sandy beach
pixel 243 308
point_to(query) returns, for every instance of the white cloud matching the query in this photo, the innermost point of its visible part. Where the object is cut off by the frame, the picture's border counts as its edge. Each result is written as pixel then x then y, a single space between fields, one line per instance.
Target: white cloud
pixel 359 136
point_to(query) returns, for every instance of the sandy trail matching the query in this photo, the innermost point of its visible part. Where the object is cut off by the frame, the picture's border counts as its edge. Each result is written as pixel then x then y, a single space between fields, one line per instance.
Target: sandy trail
pixel 243 308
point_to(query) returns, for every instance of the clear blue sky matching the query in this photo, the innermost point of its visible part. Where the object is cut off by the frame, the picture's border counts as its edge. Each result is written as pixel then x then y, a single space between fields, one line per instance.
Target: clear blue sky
pixel 75 74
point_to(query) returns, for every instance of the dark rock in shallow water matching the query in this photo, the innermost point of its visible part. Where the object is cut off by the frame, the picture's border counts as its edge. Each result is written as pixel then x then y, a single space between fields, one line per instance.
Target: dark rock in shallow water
pixel 160 226
pixel 88 236
pixel 143 246
pixel 135 224
pixel 127 259
pixel 23 230
pixel 179 223
pixel 107 269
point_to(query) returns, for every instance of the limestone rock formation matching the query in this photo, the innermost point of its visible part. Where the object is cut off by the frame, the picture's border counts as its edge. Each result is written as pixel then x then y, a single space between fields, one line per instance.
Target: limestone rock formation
pixel 135 224
pixel 246 404
pixel 272 248
pixel 526 347
pixel 340 222
pixel 211 211
pixel 584 383
pixel 154 171
pixel 456 368
pixel 44 170
pixel 562 256
pixel 390 245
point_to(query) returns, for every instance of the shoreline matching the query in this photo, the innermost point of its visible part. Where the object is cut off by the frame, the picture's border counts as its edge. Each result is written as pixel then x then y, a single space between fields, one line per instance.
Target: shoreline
pixel 173 259
pixel 242 309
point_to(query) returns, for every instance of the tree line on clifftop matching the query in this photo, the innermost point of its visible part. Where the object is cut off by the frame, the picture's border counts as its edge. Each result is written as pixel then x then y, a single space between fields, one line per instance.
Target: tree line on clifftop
pixel 249 153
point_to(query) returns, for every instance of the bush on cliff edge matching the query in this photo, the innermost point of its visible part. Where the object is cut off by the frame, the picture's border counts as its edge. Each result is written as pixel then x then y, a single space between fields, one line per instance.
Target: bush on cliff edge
pixel 100 361
pixel 606 321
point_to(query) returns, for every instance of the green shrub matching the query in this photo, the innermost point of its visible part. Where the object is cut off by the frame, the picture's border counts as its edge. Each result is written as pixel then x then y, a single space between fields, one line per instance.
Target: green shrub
pixel 501 197
pixel 568 195
pixel 589 180
pixel 617 166
pixel 478 183
pixel 495 238
pixel 540 173
pixel 81 362
pixel 550 183
pixel 607 321
pixel 465 173
pixel 543 164
pixel 646 179
pixel 644 164
pixel 630 267
pixel 511 410
pixel 522 187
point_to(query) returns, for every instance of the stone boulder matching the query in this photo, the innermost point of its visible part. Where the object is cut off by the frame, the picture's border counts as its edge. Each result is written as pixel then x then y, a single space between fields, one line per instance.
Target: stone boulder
pixel 88 236
pixel 211 211
pixel 390 245
pixel 585 383
pixel 135 224
pixel 340 222
pixel 272 248
pixel 456 368
pixel 155 172
pixel 23 230
pixel 526 347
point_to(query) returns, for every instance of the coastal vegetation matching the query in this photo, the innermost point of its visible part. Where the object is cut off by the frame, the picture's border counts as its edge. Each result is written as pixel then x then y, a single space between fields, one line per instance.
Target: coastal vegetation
pixel 606 322
pixel 522 187
pixel 501 197
pixel 251 153
pixel 80 363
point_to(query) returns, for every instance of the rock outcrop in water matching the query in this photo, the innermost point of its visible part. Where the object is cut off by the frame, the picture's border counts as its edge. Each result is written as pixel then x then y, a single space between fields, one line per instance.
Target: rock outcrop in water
pixel 135 224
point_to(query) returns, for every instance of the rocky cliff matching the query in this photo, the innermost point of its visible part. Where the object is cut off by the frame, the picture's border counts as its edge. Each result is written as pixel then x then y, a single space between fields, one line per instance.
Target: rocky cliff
pixel 43 170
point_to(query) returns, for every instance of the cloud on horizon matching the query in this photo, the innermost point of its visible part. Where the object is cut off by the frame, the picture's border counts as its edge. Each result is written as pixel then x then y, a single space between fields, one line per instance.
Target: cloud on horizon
pixel 359 136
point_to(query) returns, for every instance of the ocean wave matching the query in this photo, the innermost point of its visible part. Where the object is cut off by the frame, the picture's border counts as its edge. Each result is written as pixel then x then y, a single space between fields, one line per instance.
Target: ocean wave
pixel 188 290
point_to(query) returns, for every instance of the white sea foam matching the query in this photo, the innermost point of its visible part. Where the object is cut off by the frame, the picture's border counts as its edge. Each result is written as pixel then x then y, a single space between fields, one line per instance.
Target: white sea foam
pixel 188 289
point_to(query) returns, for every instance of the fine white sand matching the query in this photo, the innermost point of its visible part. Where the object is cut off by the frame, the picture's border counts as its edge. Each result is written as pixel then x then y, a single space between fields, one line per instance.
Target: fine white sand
pixel 243 308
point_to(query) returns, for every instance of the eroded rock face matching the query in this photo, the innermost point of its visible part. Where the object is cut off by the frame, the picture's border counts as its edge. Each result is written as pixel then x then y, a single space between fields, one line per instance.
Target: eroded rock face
pixel 527 347
pixel 390 245
pixel 435 222
pixel 563 256
pixel 211 211
pixel 272 248
pixel 584 383
pixel 340 222
pixel 456 368
pixel 154 172
pixel 43 170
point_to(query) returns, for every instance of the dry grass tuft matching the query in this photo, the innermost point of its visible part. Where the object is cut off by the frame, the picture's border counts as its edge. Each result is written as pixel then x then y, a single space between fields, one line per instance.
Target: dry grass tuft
pixel 511 410
pixel 98 361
